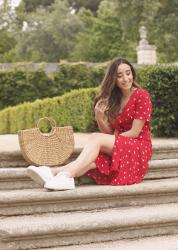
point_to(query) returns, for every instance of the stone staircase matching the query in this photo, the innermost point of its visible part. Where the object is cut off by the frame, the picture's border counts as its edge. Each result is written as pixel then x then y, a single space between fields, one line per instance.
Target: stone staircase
pixel 142 216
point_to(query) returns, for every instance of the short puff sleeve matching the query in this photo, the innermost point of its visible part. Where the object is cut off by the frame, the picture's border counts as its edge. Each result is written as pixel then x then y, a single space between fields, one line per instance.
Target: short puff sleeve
pixel 143 106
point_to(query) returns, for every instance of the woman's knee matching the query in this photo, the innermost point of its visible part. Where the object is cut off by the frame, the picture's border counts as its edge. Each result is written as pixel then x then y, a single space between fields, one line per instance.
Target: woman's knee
pixel 103 140
pixel 95 138
pixel 94 135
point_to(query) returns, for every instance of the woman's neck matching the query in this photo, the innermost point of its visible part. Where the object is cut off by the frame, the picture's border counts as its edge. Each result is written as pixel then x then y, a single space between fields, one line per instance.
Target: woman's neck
pixel 127 93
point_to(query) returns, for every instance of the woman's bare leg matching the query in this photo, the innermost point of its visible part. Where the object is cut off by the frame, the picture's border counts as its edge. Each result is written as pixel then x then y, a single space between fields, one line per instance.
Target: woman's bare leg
pixel 56 170
pixel 97 142
pixel 86 169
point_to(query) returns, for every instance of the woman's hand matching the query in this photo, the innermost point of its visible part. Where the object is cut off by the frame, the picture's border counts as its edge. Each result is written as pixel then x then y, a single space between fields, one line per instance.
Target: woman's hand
pixel 100 117
pixel 99 110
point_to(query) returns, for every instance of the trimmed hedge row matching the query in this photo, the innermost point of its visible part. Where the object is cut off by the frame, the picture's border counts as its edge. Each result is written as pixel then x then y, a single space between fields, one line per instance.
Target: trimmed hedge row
pixel 162 83
pixel 75 108
pixel 19 85
pixel 78 75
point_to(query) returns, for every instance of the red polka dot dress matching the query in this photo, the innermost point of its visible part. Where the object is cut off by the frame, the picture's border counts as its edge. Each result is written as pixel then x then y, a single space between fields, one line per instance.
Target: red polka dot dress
pixel 129 161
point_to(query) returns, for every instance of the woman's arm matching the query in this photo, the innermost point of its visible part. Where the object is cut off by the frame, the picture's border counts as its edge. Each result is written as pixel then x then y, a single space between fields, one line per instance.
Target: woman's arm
pixel 137 126
pixel 104 126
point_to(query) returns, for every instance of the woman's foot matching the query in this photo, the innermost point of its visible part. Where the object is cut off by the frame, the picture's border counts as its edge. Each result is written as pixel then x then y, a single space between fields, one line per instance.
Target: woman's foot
pixel 62 181
pixel 40 174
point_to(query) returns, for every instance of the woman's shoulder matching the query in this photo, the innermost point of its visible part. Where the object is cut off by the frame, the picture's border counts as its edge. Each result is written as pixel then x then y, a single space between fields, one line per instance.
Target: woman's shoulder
pixel 142 92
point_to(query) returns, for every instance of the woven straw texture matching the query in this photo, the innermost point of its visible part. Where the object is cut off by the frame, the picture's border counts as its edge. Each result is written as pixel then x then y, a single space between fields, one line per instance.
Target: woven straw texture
pixel 49 149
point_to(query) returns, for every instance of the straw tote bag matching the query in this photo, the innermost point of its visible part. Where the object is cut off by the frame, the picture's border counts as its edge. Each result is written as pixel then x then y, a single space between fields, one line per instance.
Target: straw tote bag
pixel 48 149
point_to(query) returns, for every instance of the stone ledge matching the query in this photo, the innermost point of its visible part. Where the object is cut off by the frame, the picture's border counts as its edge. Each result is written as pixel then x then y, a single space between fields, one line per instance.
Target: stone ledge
pixel 10 154
pixel 164 168
pixel 17 178
pixel 64 229
pixel 169 242
pixel 16 160
pixel 19 202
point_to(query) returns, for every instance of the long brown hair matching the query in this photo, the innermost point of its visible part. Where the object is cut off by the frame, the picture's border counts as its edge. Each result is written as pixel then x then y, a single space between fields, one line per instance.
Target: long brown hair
pixel 109 91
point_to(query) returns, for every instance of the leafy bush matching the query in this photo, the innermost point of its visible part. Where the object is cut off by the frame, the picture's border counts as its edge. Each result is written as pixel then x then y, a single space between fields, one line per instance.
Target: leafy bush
pixel 162 83
pixel 21 85
pixel 18 86
pixel 78 75
pixel 73 109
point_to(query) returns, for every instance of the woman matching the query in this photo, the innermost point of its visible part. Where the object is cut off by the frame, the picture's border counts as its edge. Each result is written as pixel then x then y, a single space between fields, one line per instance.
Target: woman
pixel 118 155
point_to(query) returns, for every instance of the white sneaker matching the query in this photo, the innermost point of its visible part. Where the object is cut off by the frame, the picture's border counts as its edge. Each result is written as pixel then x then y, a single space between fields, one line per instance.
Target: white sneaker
pixel 61 181
pixel 40 174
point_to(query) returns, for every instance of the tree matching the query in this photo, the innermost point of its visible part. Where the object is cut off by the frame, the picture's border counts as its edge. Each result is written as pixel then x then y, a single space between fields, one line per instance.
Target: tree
pixel 96 31
pixel 7 40
pixel 87 4
pixel 102 38
pixel 165 32
pixel 32 5
pixel 116 31
pixel 7 43
pixel 161 20
pixel 48 38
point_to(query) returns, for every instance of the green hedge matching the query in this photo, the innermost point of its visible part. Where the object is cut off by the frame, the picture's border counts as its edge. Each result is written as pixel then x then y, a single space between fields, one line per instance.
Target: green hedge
pixel 18 86
pixel 73 108
pixel 162 83
pixel 78 75
pixel 21 85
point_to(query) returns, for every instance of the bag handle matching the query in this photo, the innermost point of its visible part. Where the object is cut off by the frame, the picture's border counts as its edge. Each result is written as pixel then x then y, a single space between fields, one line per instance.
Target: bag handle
pixel 50 119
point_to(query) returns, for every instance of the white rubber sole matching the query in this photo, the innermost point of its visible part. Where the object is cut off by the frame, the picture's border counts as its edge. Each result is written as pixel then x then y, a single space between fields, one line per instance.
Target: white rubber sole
pixel 59 188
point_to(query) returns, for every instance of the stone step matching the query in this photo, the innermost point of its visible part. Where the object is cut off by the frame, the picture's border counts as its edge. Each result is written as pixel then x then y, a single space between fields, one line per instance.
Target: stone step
pixel 169 242
pixel 17 178
pixel 88 197
pixel 10 156
pixel 77 228
pixel 167 150
pixel 14 159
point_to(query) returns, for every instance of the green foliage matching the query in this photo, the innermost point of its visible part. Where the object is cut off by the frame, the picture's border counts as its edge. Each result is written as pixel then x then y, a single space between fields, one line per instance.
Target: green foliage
pixel 9 56
pixel 101 40
pixel 66 110
pixel 21 85
pixel 48 38
pixel 87 4
pixel 163 31
pixel 17 86
pixel 97 31
pixel 115 30
pixel 162 83
pixel 160 19
pixel 32 5
pixel 7 40
pixel 77 75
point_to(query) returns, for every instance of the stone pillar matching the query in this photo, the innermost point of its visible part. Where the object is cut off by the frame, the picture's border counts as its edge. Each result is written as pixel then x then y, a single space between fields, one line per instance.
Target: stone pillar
pixel 146 53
